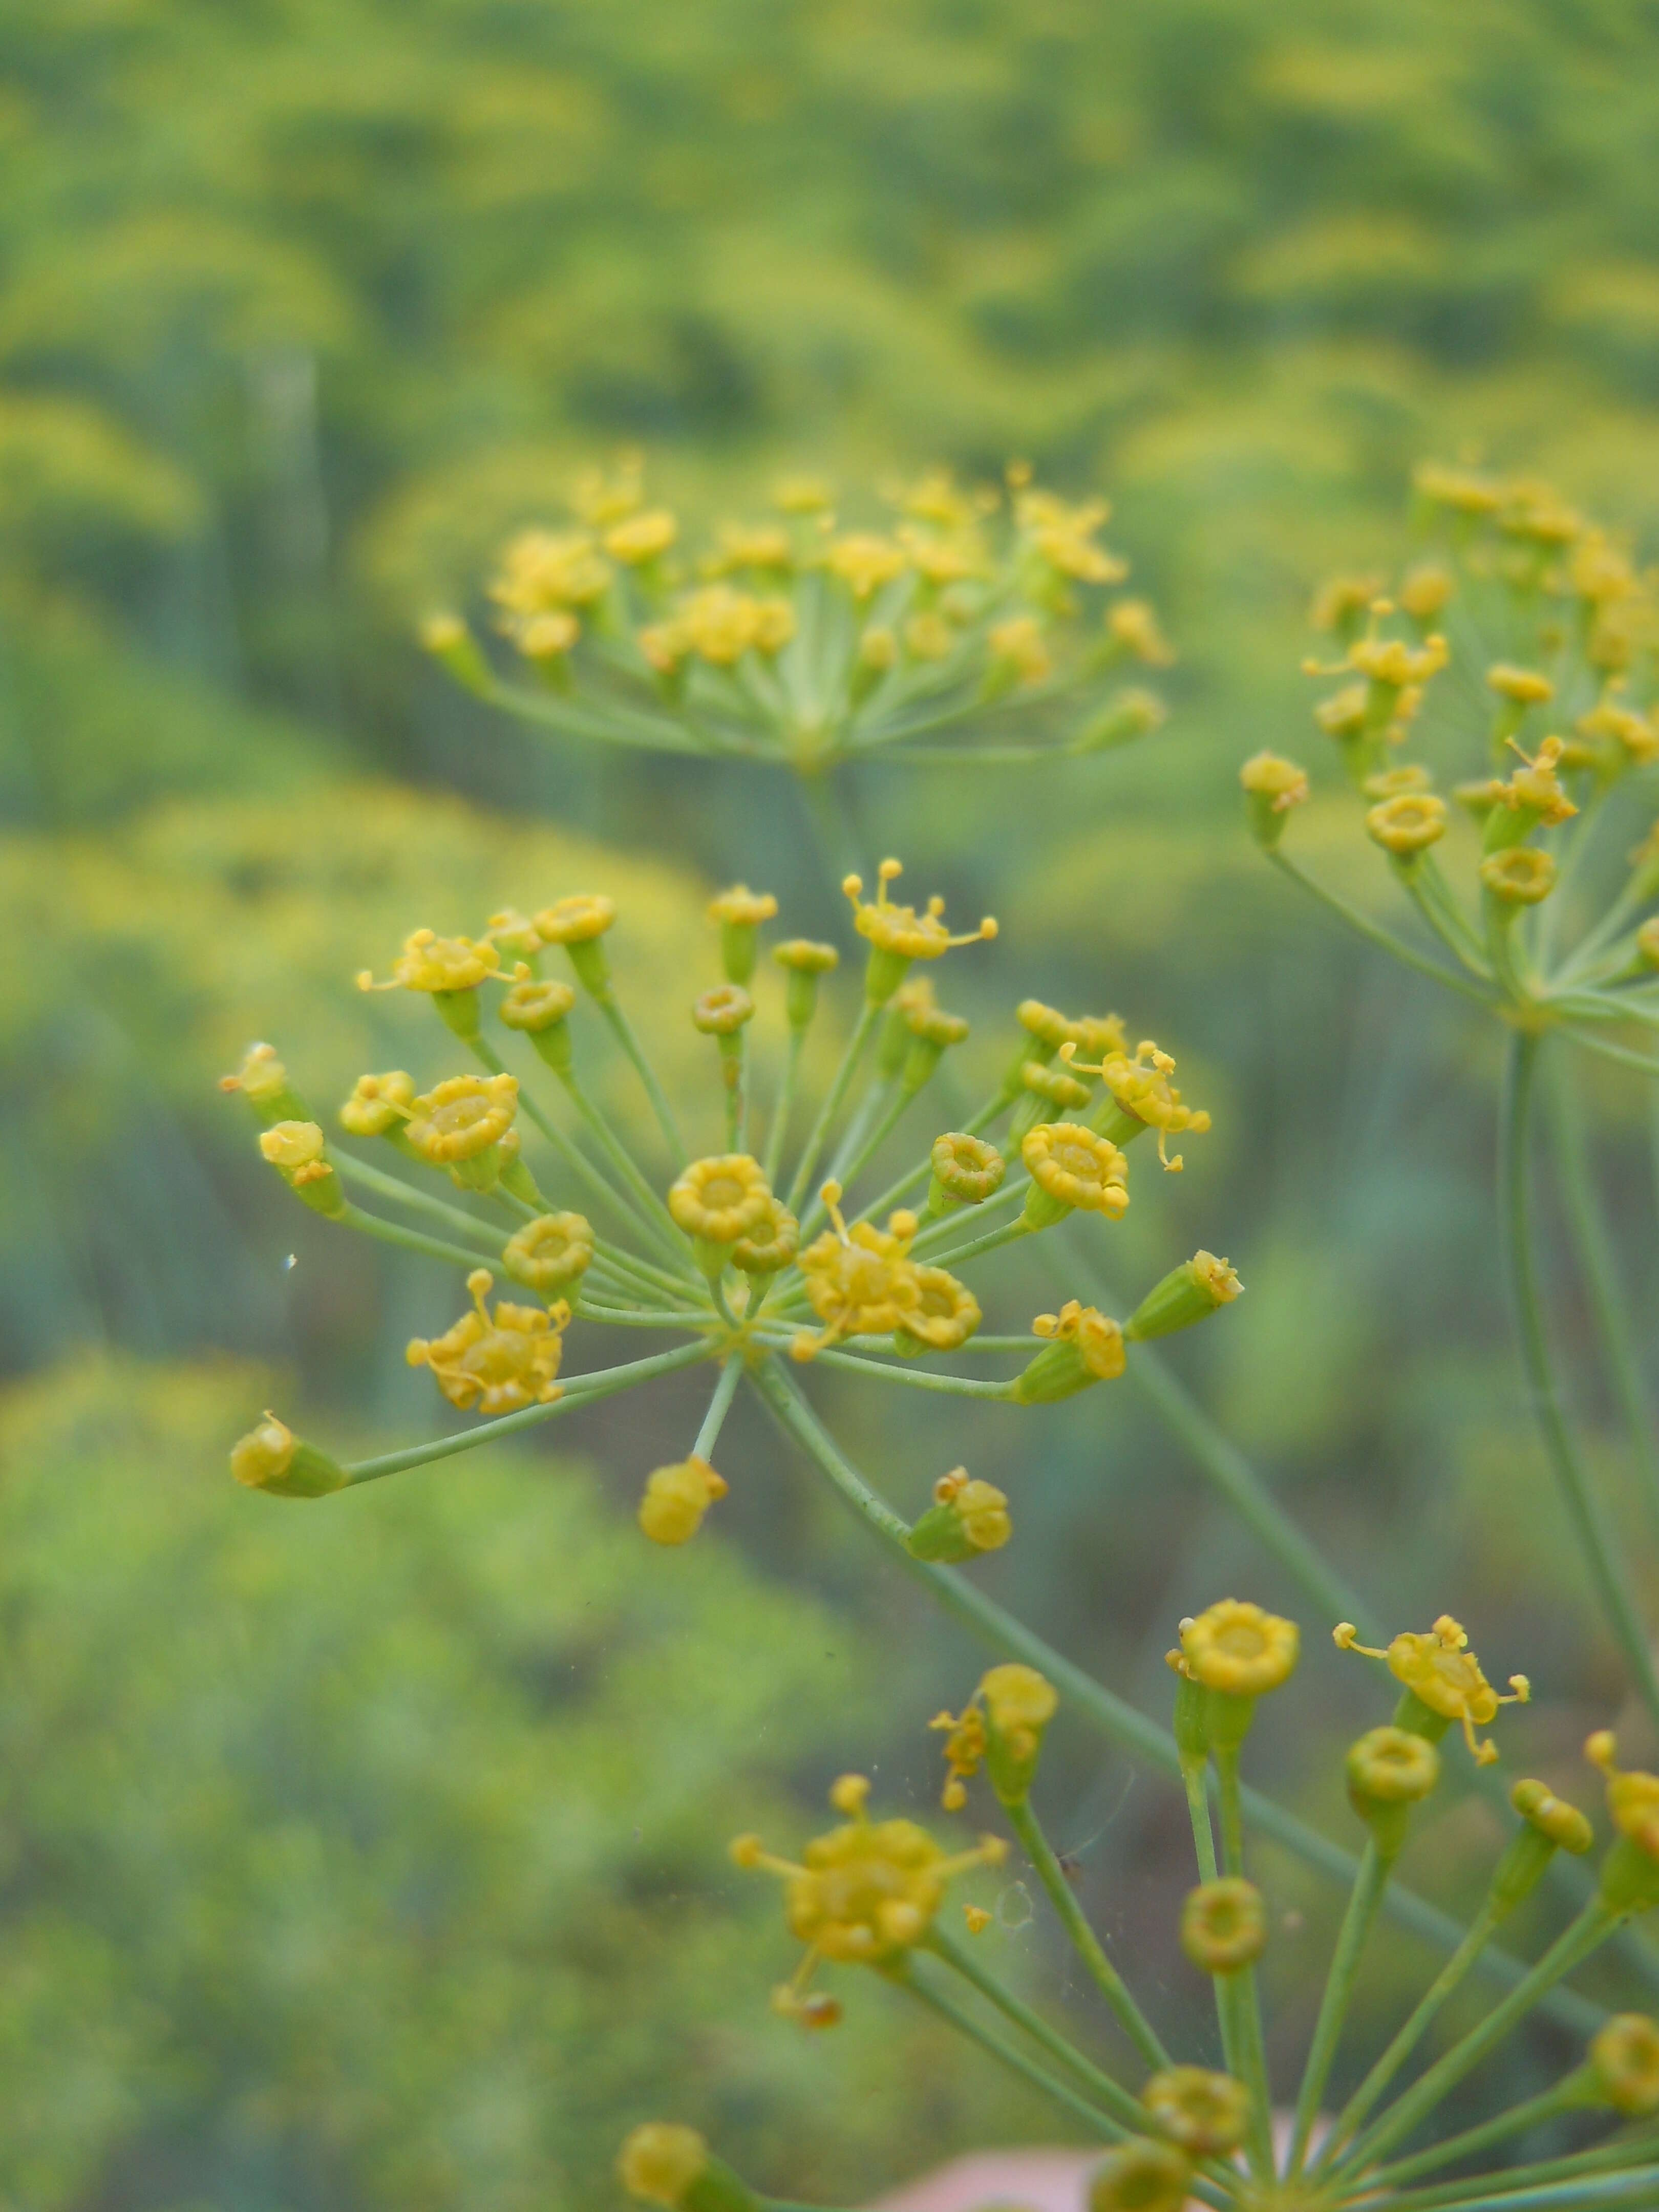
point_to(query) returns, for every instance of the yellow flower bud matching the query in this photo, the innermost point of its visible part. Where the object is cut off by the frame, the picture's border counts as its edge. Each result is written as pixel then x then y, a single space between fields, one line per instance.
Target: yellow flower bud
pixel 966 1171
pixel 659 2162
pixel 675 1499
pixel 1189 1293
pixel 1391 1766
pixel 1140 2176
pixel 1521 875
pixel 550 1253
pixel 770 1249
pixel 500 1362
pixel 1522 687
pixel 967 1518
pixel 1085 1346
pixel 944 1313
pixel 273 1459
pixel 721 1199
pixel 297 1151
pixel 1224 1925
pixel 1072 1167
pixel 1236 1647
pixel 1624 2058
pixel 723 1011
pixel 536 1002
pixel 1408 825
pixel 1205 2113
pixel 1554 1817
pixel 641 538
pixel 1272 786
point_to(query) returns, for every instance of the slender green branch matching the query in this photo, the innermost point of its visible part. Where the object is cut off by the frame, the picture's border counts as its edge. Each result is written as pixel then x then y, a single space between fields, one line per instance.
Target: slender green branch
pixel 1013 2057
pixel 719 1405
pixel 1576 1942
pixel 1384 939
pixel 1357 1923
pixel 869 1015
pixel 1087 1945
pixel 580 1390
pixel 657 1219
pixel 1007 1234
pixel 1589 1523
pixel 1449 1980
pixel 1567 2096
pixel 349 1169
pixel 622 1029
pixel 778 1136
pixel 1131 1731
pixel 1225 1467
pixel 412 1239
pixel 1642 1062
pixel 1593 1245
pixel 1638 2187
pixel 906 1373
pixel 1127 2110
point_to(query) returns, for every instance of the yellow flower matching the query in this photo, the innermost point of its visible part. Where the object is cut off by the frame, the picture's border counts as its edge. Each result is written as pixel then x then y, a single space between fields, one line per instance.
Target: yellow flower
pixel 740 908
pixel 899 932
pixel 1224 1925
pixel 497 1362
pixel 801 495
pixel 720 624
pixel 1140 2176
pixel 535 1004
pixel 1520 875
pixel 1623 2057
pixel 543 569
pixel 721 1199
pixel 272 1458
pixel 937 498
pixel 547 638
pixel 1633 1797
pixel 929 637
pixel 966 1518
pixel 723 1011
pixel 261 1078
pixel 1342 603
pixel 1271 786
pixel 768 1248
pixel 1634 733
pixel 860 1281
pixel 1553 1816
pixel 1342 716
pixel 868 1891
pixel 1019 646
pixel 966 1170
pixel 577 920
pixel 1073 1168
pixel 1057 1088
pixel 1411 776
pixel 1407 825
pixel 601 500
pixel 1206 2113
pixel 1392 662
pixel 1461 489
pixel 550 1253
pixel 1134 623
pixel 1392 1766
pixel 430 962
pixel 751 545
pixel 297 1148
pixel 1522 687
pixel 1187 1294
pixel 462 1117
pixel 675 1499
pixel 1238 1649
pixel 641 538
pixel 1441 1671
pixel 1425 590
pixel 1084 1346
pixel 378 1104
pixel 1535 789
pixel 661 2162
pixel 946 1314
pixel 1143 1091
pixel 802 956
pixel 865 562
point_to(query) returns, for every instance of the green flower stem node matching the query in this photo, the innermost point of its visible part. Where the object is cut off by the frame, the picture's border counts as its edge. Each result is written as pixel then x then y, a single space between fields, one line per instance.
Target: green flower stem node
pixel 941 1201
pixel 517 1179
pixel 1192 1724
pixel 738 943
pixel 591 966
pixel 459 1010
pixel 1526 1859
pixel 1109 1119
pixel 1042 1210
pixel 555 1046
pixel 718 2189
pixel 939 1536
pixel 800 997
pixel 1186 1296
pixel 1630 1878
pixel 1229 1719
pixel 712 1260
pixel 885 970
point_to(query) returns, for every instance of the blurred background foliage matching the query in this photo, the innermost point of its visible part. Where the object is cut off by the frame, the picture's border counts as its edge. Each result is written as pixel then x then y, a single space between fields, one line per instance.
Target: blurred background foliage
pixel 371 1856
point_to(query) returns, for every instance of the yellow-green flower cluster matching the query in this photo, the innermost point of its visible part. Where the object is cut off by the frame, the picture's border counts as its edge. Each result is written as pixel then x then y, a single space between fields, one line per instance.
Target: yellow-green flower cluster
pixel 744 1252
pixel 940 617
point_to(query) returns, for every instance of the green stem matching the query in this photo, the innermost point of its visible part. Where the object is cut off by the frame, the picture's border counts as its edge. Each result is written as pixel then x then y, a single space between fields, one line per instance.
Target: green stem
pixel 1591 1929
pixel 1589 1523
pixel 1449 1980
pixel 1127 2111
pixel 914 1177
pixel 1007 1234
pixel 1357 1922
pixel 1087 1945
pixel 905 1373
pixel 655 1218
pixel 1637 2188
pixel 412 1239
pixel 719 1405
pixel 1384 939
pixel 1250 2051
pixel 1197 1812
pixel 777 1136
pixel 1643 1063
pixel 1119 1723
pixel 622 1029
pixel 869 1015
pixel 1225 1467
pixel 580 1390
pixel 351 1169
pixel 1567 2095
pixel 1593 1246
pixel 1009 2055
pixel 871 1145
